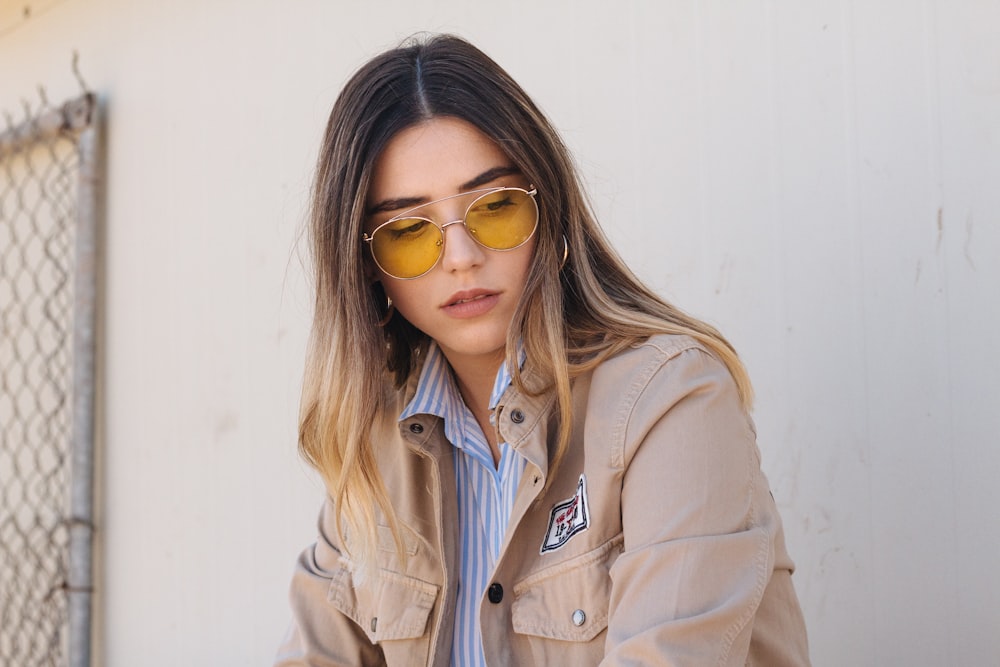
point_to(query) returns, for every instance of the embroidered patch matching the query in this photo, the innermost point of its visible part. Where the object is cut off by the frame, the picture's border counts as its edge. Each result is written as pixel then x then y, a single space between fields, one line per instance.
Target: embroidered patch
pixel 567 519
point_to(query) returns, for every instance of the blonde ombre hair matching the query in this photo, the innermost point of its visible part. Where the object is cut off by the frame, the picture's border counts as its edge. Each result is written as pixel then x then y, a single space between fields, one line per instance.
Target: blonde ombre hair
pixel 570 318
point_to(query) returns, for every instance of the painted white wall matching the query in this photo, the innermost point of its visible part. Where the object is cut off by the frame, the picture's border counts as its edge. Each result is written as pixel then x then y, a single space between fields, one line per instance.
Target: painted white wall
pixel 818 179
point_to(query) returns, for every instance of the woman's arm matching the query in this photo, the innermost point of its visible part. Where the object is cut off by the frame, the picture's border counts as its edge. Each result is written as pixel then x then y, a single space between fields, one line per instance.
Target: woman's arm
pixel 321 635
pixel 704 573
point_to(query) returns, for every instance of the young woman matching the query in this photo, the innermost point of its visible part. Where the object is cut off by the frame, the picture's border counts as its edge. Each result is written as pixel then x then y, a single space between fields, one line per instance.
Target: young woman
pixel 531 458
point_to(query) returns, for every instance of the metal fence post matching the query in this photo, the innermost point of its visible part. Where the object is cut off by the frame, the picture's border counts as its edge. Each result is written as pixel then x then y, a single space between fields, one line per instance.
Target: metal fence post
pixel 81 526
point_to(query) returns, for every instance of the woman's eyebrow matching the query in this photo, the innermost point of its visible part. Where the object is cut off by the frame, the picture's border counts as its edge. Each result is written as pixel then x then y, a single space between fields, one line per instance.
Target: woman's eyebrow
pixel 487 176
pixel 388 205
pixel 401 203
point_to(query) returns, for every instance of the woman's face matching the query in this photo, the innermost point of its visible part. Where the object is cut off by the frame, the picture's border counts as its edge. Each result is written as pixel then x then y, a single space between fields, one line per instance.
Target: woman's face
pixel 467 300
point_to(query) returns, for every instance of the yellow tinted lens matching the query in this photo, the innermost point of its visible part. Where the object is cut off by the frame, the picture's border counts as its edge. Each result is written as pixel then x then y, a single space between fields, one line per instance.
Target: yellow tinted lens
pixel 407 248
pixel 503 219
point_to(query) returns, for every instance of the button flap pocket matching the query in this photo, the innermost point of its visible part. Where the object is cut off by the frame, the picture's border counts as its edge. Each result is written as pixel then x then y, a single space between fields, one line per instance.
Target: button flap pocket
pixel 386 605
pixel 568 601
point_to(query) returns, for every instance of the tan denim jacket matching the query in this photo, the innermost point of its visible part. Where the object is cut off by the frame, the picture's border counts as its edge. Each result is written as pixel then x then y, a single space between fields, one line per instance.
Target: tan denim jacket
pixel 657 543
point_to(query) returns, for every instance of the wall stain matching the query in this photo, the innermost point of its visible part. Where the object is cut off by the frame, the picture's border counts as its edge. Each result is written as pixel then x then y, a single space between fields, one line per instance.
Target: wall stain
pixel 967 249
pixel 724 273
pixel 225 424
pixel 940 229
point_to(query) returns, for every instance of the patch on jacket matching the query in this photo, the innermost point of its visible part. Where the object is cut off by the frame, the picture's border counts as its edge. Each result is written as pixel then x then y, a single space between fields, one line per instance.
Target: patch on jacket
pixel 568 518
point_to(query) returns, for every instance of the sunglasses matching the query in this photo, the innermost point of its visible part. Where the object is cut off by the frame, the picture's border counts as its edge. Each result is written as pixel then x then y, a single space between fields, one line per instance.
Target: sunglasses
pixel 408 245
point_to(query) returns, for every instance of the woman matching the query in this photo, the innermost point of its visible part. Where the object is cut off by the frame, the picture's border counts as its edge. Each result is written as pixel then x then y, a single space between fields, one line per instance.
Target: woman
pixel 530 457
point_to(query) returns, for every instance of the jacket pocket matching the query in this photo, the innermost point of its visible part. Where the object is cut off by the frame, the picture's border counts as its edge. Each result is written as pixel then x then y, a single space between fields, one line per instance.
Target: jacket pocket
pixel 568 601
pixel 386 605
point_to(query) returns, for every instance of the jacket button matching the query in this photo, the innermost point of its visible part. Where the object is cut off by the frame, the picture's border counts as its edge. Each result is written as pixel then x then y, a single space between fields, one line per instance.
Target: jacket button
pixel 495 593
pixel 579 618
pixel 516 416
pixel 416 428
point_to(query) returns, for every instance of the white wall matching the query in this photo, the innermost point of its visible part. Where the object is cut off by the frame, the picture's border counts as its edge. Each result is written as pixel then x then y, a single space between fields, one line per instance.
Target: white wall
pixel 821 180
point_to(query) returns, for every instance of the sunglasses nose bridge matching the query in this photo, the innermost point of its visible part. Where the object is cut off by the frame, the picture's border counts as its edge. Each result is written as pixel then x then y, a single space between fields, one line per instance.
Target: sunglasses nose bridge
pixel 444 234
pixel 465 228
pixel 446 225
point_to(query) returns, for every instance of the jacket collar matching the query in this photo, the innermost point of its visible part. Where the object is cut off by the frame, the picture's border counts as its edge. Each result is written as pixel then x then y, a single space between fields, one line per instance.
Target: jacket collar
pixel 523 421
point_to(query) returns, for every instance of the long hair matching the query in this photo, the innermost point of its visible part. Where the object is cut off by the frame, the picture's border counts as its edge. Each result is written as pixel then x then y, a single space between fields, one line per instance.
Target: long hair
pixel 571 315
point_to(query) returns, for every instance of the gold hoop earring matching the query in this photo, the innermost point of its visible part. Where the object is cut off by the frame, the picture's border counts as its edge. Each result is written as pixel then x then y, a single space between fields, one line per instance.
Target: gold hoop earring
pixel 565 252
pixel 389 312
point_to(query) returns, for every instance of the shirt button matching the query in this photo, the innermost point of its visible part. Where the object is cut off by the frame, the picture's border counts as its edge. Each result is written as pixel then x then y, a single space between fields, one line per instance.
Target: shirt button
pixel 416 428
pixel 516 416
pixel 495 593
pixel 579 617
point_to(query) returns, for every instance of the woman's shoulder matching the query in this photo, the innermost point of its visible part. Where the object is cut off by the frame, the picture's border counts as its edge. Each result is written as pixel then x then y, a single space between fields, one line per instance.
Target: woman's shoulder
pixel 631 393
pixel 663 364
pixel 653 352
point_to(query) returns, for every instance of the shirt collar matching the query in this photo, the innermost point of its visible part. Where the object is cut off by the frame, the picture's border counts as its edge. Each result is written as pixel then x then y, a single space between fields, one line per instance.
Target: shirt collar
pixel 437 394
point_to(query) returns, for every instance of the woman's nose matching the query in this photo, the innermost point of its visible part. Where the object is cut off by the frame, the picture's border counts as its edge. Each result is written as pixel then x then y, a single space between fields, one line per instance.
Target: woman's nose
pixel 460 250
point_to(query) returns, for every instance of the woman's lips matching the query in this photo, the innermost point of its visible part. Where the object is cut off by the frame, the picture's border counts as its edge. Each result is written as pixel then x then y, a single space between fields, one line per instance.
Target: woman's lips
pixel 470 303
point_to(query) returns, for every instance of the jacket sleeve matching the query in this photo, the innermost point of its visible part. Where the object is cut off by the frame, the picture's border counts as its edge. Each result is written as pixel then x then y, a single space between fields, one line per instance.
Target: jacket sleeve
pixel 702 537
pixel 320 634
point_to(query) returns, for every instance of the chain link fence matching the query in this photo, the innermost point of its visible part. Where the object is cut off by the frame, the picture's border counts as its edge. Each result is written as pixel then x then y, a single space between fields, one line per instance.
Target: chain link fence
pixel 48 212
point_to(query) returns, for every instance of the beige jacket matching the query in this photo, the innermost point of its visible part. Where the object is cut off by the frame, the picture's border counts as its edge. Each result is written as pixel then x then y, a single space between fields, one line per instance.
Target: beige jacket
pixel 657 543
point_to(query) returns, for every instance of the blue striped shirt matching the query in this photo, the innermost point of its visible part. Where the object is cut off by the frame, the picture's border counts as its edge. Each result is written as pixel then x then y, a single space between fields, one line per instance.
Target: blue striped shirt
pixel 485 493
